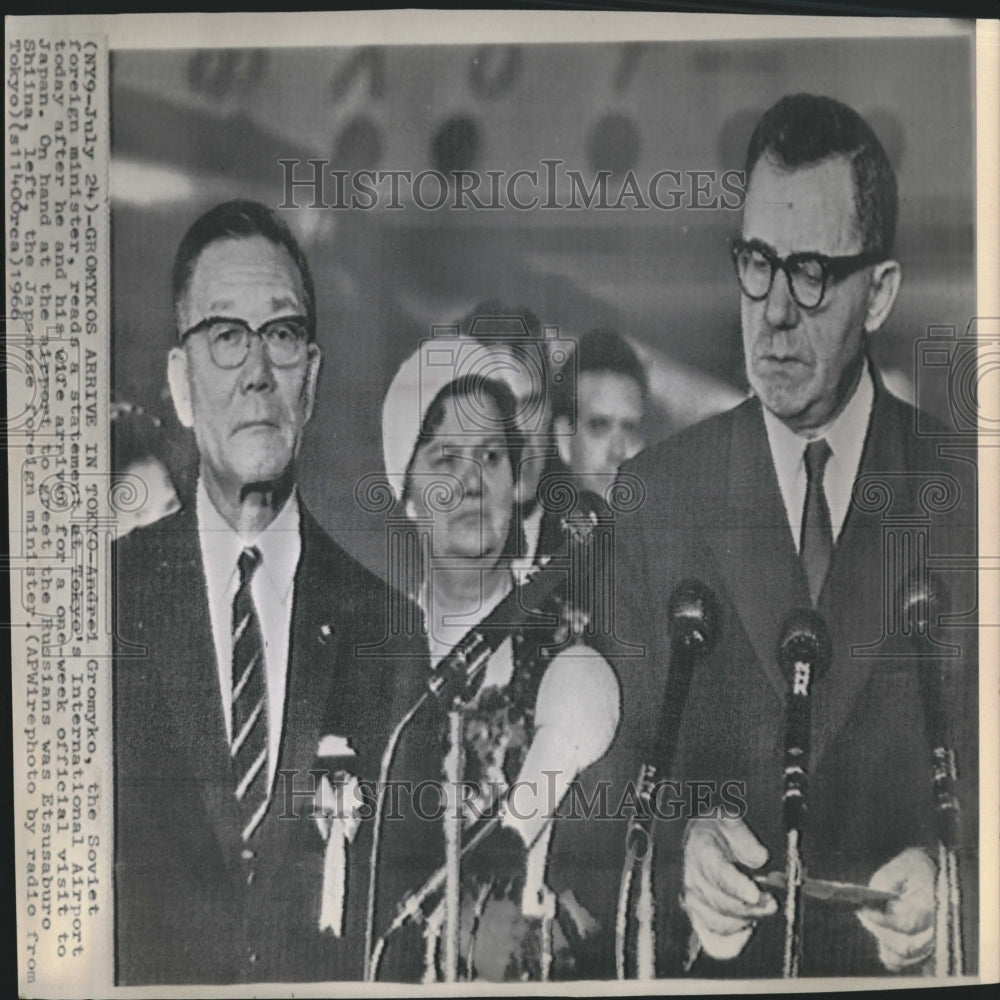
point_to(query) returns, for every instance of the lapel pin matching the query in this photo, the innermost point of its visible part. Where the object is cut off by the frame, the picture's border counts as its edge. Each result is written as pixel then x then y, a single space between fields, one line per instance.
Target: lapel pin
pixel 326 633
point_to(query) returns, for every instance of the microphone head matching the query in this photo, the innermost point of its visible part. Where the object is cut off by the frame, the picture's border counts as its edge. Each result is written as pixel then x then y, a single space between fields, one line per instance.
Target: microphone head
pixel 579 509
pixel 693 616
pixel 804 639
pixel 919 602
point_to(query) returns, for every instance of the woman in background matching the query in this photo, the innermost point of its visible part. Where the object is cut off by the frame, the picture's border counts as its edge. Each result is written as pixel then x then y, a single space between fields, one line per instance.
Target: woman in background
pixel 451 450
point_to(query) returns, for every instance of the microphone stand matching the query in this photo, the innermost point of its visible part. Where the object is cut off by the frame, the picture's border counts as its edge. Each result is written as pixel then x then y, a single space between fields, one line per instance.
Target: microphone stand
pixel 920 604
pixel 948 915
pixel 638 854
pixel 469 666
pixel 459 676
pixel 792 955
pixel 693 628
pixel 454 766
pixel 948 959
pixel 460 673
pixel 411 906
pixel 803 654
pixel 372 957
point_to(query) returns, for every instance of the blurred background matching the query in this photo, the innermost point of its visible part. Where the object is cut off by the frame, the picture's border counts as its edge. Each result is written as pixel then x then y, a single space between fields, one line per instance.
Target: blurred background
pixel 193 128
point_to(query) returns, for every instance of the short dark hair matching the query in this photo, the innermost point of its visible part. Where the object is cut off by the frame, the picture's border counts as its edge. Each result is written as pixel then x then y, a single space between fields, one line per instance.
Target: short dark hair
pixel 511 326
pixel 602 350
pixel 474 386
pixel 240 219
pixel 804 129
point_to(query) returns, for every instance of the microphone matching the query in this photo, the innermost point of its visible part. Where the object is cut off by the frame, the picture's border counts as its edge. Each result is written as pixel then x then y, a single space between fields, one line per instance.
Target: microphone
pixel 576 716
pixel 804 654
pixel 693 627
pixel 460 672
pixel 920 604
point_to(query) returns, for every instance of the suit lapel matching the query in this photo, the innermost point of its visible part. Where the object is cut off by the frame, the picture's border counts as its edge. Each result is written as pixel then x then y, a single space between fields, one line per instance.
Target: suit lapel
pixel 312 668
pixel 755 549
pixel 852 598
pixel 191 684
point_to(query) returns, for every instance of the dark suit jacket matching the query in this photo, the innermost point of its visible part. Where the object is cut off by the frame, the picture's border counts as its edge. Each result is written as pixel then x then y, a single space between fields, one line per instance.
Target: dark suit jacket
pixel 713 512
pixel 189 907
pixel 568 509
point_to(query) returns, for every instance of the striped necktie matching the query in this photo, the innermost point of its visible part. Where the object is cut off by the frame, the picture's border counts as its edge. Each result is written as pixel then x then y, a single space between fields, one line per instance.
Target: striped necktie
pixel 249 746
pixel 816 543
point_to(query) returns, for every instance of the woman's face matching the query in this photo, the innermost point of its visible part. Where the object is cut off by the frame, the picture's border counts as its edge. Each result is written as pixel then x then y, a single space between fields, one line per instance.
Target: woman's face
pixel 462 482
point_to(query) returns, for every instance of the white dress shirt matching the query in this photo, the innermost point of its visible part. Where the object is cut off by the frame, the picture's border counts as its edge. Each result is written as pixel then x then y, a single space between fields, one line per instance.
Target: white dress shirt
pixel 280 545
pixel 846 437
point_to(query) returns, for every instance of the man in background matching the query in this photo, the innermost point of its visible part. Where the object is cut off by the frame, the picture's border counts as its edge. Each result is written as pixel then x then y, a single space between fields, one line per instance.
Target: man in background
pixel 604 427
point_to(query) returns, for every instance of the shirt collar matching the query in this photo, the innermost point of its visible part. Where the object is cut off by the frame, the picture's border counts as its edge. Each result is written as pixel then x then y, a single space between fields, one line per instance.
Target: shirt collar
pixel 280 545
pixel 845 434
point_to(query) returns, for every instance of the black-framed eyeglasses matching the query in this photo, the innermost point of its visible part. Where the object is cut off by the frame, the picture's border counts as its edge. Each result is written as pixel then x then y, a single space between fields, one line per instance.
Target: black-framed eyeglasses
pixel 285 340
pixel 809 275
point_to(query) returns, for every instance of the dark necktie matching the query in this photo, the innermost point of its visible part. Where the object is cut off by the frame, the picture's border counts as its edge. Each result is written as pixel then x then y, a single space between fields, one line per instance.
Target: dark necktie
pixel 249 746
pixel 816 542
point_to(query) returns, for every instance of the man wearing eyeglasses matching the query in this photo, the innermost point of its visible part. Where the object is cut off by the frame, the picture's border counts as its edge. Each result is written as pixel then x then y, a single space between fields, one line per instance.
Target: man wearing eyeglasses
pixel 241 668
pixel 784 503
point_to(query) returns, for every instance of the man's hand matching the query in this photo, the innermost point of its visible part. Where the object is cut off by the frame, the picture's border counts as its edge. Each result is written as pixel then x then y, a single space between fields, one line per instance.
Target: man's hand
pixel 722 902
pixel 904 930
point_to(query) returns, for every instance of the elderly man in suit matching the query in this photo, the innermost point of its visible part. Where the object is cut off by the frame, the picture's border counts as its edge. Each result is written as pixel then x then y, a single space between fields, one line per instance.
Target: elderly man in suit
pixel 795 499
pixel 251 652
